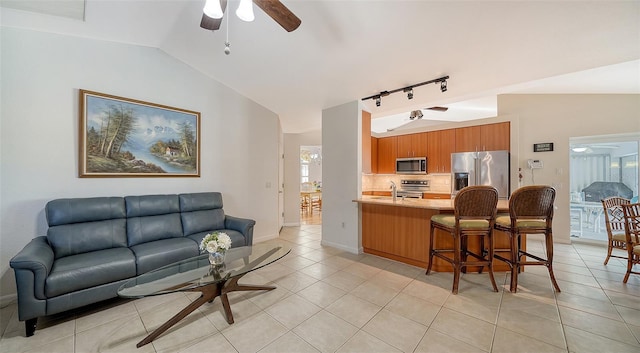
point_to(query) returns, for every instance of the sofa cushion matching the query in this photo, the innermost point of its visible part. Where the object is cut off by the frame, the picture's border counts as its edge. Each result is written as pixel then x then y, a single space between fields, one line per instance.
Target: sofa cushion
pixel 76 272
pixel 85 224
pixel 155 254
pixel 67 211
pixel 202 221
pixel 151 205
pixel 237 238
pixel 72 239
pixel 150 228
pixel 200 201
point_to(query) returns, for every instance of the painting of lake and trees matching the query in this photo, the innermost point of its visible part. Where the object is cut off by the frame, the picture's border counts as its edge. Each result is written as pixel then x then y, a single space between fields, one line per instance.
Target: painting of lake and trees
pixel 121 137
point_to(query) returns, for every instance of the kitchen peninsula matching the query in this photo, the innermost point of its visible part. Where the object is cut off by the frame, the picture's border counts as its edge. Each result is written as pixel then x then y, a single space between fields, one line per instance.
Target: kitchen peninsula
pixel 400 230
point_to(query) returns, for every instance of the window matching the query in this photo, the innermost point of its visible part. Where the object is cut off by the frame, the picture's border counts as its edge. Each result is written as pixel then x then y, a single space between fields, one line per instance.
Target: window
pixel 304 172
pixel 599 167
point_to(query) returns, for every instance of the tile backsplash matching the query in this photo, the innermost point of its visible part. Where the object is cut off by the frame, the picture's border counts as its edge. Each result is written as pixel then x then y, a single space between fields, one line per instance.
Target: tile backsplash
pixel 440 183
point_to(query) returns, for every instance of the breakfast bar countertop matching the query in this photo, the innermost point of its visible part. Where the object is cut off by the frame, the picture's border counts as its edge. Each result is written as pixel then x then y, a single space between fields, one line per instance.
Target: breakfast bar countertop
pixel 432 204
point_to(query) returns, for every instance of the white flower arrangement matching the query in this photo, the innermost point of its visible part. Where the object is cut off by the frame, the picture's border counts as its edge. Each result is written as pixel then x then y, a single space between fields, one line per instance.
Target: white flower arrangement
pixel 215 242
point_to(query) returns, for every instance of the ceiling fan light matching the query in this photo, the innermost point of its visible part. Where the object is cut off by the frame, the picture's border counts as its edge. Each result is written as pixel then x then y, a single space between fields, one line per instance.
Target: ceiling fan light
pixel 212 9
pixel 245 11
pixel 415 114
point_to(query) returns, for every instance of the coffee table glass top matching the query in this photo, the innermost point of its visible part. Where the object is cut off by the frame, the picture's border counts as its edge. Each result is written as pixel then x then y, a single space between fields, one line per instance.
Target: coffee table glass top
pixel 197 271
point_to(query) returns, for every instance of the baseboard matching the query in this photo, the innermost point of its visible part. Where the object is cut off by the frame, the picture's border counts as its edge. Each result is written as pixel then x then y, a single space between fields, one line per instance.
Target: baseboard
pixel 292 224
pixel 264 238
pixel 8 299
pixel 340 246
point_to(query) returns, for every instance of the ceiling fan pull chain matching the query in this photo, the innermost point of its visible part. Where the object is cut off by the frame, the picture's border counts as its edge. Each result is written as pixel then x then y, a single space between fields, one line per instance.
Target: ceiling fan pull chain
pixel 227 49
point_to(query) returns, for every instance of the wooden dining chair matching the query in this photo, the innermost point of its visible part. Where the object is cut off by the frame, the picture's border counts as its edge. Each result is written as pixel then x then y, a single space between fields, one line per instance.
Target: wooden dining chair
pixel 530 212
pixel 474 215
pixel 614 220
pixel 632 235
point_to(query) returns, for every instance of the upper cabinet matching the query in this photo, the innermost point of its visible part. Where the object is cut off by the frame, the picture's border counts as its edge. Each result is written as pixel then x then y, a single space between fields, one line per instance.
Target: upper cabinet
pixel 412 145
pixel 496 137
pixel 366 142
pixel 387 153
pixel 468 139
pixel 439 148
pixel 374 155
pixel 490 137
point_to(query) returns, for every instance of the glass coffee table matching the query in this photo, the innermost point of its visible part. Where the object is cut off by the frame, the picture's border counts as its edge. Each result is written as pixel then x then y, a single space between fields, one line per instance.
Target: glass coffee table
pixel 196 274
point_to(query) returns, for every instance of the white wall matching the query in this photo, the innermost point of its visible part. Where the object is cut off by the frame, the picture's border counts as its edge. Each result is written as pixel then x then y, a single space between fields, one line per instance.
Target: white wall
pixel 557 118
pixel 292 143
pixel 341 176
pixel 41 75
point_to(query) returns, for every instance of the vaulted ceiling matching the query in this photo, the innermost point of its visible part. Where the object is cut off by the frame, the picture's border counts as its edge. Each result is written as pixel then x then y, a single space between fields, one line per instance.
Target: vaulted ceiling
pixel 347 50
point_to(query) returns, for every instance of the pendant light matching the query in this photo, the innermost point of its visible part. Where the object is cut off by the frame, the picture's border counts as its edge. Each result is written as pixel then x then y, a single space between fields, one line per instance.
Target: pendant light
pixel 245 10
pixel 212 9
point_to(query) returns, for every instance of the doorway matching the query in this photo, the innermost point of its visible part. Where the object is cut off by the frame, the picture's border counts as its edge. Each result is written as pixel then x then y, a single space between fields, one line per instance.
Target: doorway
pixel 600 167
pixel 310 184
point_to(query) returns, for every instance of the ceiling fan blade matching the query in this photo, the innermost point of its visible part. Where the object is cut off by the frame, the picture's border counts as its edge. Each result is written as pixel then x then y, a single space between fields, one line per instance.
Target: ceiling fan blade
pixel 213 23
pixel 439 109
pixel 280 13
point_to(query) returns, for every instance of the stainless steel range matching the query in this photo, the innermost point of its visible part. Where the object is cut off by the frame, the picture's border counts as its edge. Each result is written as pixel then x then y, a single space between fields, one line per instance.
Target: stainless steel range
pixel 413 188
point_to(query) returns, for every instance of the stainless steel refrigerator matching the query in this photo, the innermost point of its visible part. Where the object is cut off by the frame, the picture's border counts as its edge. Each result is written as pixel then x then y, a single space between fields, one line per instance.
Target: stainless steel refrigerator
pixel 480 168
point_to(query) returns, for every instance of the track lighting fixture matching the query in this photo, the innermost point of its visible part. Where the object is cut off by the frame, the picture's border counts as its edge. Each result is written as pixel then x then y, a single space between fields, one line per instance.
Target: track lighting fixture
pixel 409 90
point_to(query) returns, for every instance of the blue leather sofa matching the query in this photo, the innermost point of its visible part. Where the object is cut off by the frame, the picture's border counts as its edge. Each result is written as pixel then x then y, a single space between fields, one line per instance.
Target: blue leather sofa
pixel 94 245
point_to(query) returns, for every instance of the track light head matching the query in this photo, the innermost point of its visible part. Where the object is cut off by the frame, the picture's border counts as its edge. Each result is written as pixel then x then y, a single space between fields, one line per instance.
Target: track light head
pixel 443 86
pixel 409 92
pixel 378 101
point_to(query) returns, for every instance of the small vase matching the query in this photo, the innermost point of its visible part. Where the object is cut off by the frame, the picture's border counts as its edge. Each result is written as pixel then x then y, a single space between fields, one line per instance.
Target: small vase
pixel 216 258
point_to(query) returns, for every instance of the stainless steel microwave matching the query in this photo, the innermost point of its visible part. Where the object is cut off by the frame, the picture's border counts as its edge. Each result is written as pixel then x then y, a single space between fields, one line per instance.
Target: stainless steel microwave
pixel 414 165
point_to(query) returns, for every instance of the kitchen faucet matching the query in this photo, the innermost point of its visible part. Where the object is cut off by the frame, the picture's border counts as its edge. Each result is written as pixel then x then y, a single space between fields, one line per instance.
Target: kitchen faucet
pixel 394 191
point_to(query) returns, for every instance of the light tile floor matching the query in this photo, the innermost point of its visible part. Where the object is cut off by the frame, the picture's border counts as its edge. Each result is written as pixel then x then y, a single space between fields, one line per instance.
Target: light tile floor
pixel 332 301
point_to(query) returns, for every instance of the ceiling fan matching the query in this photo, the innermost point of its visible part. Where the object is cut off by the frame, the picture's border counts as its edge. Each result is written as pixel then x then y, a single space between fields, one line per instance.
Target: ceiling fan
pixel 417 115
pixel 274 8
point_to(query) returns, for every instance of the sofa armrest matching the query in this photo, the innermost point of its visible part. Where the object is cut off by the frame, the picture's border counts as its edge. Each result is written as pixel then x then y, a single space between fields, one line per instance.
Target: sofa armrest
pixel 36 257
pixel 32 265
pixel 242 225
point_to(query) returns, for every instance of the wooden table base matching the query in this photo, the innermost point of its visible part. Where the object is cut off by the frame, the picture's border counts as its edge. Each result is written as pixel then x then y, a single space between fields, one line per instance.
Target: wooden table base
pixel 209 293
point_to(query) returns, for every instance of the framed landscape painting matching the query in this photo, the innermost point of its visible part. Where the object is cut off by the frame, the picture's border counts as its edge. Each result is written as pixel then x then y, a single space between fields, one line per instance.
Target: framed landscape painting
pixel 121 137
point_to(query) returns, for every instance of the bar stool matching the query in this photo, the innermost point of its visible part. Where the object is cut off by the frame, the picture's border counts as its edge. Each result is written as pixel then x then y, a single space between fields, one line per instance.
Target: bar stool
pixel 530 212
pixel 474 215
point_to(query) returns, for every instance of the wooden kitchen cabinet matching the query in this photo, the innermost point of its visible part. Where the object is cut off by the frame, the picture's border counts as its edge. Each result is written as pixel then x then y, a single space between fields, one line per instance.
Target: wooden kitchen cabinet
pixel 366 142
pixel 468 139
pixel 412 145
pixel 435 196
pixel 490 137
pixel 381 193
pixel 387 153
pixel 440 145
pixel 400 231
pixel 496 137
pixel 374 155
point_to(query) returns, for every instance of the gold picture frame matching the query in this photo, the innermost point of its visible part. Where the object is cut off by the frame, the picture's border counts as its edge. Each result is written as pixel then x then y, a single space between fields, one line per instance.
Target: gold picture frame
pixel 122 137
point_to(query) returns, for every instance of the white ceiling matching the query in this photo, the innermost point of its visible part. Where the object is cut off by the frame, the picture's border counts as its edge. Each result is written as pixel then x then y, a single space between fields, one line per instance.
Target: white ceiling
pixel 347 50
